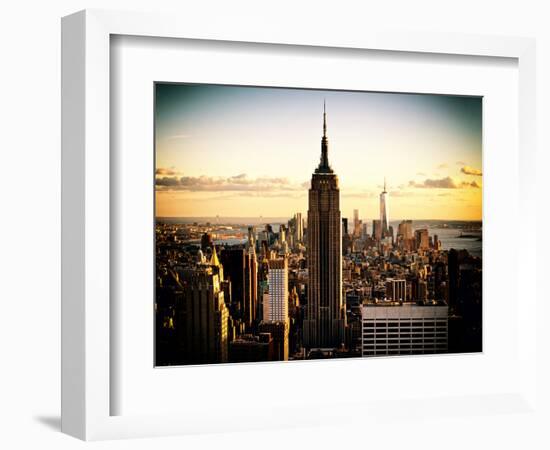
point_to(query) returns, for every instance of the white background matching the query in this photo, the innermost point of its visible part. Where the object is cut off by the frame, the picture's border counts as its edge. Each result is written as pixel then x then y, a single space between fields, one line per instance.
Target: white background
pixel 30 285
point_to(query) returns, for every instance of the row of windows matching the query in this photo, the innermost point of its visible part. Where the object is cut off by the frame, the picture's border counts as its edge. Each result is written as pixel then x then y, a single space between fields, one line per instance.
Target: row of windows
pixel 403 323
pixel 406 319
pixel 401 352
pixel 404 341
pixel 405 344
pixel 402 338
pixel 404 330
pixel 406 336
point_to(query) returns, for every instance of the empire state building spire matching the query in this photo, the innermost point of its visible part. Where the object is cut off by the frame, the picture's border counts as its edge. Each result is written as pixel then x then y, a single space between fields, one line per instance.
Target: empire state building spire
pixel 324 166
pixel 325 316
pixel 324 119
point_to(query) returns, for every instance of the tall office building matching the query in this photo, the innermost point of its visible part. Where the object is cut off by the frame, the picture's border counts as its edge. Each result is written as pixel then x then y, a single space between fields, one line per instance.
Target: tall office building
pixel 356 223
pixel 345 226
pixel 422 239
pixel 384 221
pixel 404 238
pixel 282 234
pixel 251 239
pixel 299 227
pixel 325 315
pixel 376 229
pixel 275 308
pixel 202 317
pixel 241 270
pixel 364 231
pixel 276 299
pixel 251 286
pixel 405 229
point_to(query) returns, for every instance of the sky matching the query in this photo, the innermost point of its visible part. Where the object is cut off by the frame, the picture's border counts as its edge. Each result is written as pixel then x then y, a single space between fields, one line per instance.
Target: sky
pixel 236 151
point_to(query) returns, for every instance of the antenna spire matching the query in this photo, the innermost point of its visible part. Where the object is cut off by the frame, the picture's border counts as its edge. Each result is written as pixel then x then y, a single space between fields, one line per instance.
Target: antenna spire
pixel 324 166
pixel 324 118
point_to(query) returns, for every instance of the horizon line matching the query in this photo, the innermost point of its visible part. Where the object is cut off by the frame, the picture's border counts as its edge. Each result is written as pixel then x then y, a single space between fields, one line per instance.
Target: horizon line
pixel 304 214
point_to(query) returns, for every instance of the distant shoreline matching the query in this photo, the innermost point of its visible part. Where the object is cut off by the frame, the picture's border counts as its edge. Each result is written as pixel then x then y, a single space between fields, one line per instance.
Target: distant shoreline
pixel 257 220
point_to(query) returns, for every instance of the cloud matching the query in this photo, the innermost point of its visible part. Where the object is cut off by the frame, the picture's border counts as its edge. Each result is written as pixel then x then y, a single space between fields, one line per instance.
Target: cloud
pixel 444 183
pixel 473 184
pixel 435 183
pixel 236 183
pixel 460 163
pixel 471 171
pixel 421 174
pixel 163 171
pixel 443 166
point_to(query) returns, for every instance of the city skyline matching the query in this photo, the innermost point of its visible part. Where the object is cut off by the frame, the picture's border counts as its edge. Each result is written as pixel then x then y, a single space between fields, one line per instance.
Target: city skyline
pixel 242 151
pixel 314 288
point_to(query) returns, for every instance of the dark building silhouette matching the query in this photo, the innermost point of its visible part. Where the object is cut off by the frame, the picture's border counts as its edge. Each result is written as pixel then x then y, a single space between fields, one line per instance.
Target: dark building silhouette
pixel 279 332
pixel 250 287
pixel 202 318
pixel 206 242
pixel 465 296
pixel 251 348
pixel 452 269
pixel 232 260
pixel 240 269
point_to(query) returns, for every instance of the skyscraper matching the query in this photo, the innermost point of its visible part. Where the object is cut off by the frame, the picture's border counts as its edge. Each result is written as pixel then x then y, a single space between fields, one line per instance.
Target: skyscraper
pixel 325 316
pixel 376 229
pixel 405 229
pixel 299 227
pixel 275 308
pixel 384 222
pixel 344 226
pixel 251 285
pixel 356 223
pixel 276 303
pixel 240 269
pixel 202 316
pixel 422 239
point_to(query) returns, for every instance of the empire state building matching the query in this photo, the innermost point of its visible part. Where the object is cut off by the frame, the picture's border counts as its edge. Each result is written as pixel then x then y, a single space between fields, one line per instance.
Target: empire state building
pixel 325 315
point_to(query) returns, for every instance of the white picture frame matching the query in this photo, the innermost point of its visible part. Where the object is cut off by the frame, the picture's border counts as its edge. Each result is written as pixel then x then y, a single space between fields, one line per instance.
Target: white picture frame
pixel 86 246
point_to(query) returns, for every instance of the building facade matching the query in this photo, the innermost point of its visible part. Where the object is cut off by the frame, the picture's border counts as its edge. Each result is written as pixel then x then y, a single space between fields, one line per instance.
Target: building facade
pixel 299 228
pixel 202 317
pixel 422 239
pixel 376 230
pixel 325 315
pixel 276 299
pixel 240 269
pixel 396 289
pixel 392 328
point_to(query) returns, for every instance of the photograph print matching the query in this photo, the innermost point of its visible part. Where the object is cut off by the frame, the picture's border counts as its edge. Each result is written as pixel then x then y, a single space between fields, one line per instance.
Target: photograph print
pixel 298 224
